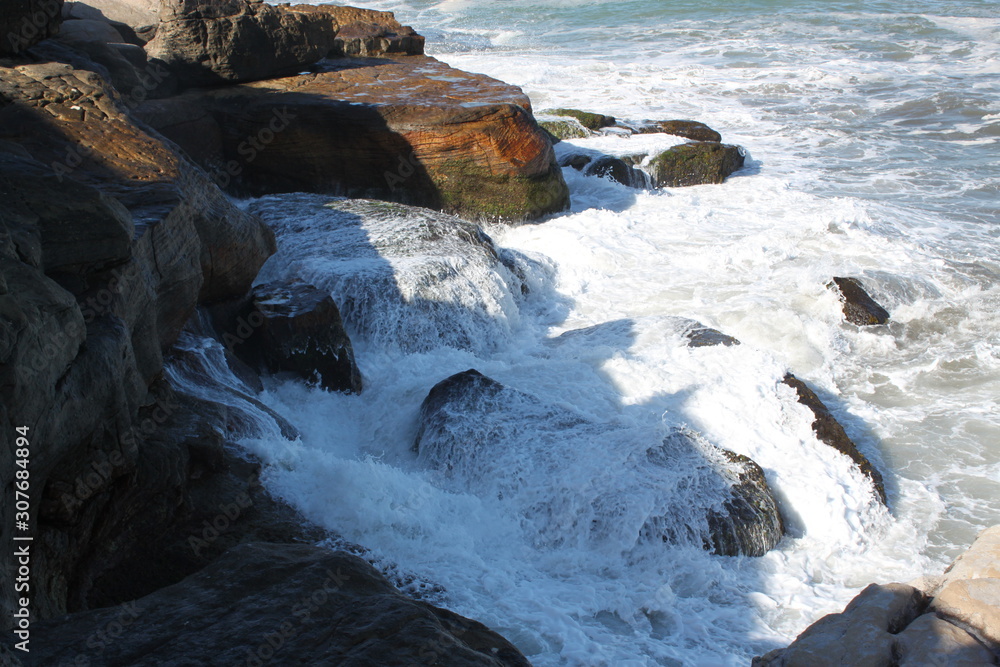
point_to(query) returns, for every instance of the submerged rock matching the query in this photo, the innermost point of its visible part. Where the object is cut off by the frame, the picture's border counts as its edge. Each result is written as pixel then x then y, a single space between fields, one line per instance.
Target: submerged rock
pixel 280 603
pixel 695 164
pixel 589 120
pixel 830 432
pixel 689 129
pixel 402 277
pixel 698 335
pixel 859 308
pixel 573 479
pixel 563 128
pixel 406 129
pixel 297 328
pixel 606 166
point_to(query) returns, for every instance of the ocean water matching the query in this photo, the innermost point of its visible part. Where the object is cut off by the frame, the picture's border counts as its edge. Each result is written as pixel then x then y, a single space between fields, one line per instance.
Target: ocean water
pixel 873 139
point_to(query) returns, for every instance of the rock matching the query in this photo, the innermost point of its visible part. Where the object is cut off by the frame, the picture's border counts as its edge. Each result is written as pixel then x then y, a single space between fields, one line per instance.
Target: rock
pixel 973 604
pixel 408 129
pixel 484 437
pixel 563 128
pixel 979 561
pixel 932 642
pixel 135 13
pixel 208 42
pixel 606 166
pixel 859 308
pixel 104 256
pixel 86 30
pixel 591 121
pixel 695 164
pixel 24 23
pixel 294 603
pixel 403 277
pixel 698 335
pixel 829 431
pixel 300 331
pixel 689 129
pixel 863 635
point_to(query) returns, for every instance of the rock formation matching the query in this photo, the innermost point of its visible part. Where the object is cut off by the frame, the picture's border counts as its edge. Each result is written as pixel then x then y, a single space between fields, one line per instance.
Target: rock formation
pixel 477 432
pixel 859 308
pixel 695 163
pixel 951 622
pixel 830 432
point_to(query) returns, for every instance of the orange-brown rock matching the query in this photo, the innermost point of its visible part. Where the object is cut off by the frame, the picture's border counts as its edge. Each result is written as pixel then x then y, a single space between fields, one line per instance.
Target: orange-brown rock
pixel 409 129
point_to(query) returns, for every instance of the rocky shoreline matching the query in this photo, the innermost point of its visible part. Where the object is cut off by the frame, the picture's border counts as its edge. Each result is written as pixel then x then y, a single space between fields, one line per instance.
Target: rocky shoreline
pixel 126 127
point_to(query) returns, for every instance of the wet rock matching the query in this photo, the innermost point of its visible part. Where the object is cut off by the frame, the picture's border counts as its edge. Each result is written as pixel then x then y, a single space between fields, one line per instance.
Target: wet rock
pixel 208 42
pixel 698 335
pixel 299 330
pixel 695 164
pixel 859 308
pixel 863 635
pixel 689 129
pixel 829 431
pixel 403 277
pixel 24 23
pixel 290 603
pixel 408 129
pixel 606 166
pixel 488 438
pixel 563 128
pixel 590 121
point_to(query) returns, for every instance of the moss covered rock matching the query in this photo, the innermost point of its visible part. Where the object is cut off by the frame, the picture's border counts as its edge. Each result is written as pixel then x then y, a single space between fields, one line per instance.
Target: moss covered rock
pixel 591 121
pixel 695 164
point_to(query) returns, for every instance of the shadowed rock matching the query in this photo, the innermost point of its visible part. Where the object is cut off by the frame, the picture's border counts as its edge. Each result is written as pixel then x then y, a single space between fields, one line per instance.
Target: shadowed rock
pixel 299 330
pixel 488 438
pixel 280 603
pixel 27 22
pixel 859 308
pixel 830 432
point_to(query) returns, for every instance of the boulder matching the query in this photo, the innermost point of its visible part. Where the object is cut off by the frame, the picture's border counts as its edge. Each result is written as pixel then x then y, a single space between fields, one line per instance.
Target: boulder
pixel 484 437
pixel 402 277
pixel 973 604
pixel 606 166
pixel 859 308
pixel 408 129
pixel 208 42
pixel 297 329
pixel 591 121
pixel 689 129
pixel 829 431
pixel 863 635
pixel 293 603
pixel 979 561
pixel 695 164
pixel 24 23
pixel 933 642
pixel 563 128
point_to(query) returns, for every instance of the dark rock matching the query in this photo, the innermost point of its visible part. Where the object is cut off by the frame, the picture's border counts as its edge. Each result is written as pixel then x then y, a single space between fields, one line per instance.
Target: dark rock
pixel 695 164
pixel 591 121
pixel 859 308
pixel 411 130
pixel 698 335
pixel 863 635
pixel 83 332
pixel 298 329
pixel 24 23
pixel 689 129
pixel 830 432
pixel 208 42
pixel 297 603
pixel 606 166
pixel 503 442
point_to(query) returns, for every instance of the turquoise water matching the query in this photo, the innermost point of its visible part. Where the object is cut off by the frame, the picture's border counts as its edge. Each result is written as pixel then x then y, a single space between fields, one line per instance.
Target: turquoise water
pixel 873 132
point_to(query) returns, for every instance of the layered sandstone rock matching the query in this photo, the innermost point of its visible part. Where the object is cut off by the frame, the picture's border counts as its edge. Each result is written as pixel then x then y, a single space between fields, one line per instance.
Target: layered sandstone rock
pixel 406 129
pixel 953 621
